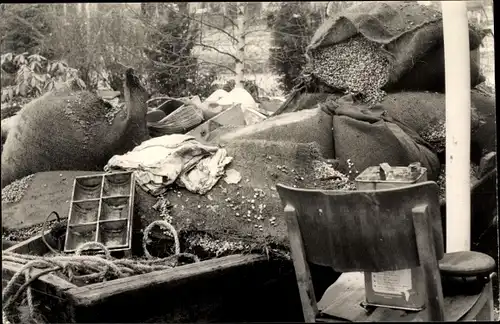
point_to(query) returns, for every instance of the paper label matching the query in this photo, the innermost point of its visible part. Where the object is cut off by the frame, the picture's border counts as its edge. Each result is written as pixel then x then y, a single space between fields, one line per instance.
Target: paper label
pixel 392 282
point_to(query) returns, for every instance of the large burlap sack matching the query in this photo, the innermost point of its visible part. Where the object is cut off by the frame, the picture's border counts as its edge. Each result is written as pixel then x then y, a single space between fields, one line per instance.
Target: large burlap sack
pixel 428 74
pixel 367 137
pixel 73 130
pixel 225 211
pixel 424 112
pixel 410 34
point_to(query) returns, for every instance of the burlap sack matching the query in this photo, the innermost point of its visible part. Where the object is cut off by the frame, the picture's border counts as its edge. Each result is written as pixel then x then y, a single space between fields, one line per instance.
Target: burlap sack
pixel 421 111
pixel 367 137
pixel 73 130
pixel 409 33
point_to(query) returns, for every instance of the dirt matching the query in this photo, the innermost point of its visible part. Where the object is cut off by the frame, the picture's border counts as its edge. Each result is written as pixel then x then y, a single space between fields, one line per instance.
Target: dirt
pixel 248 213
pixel 48 191
pixel 235 216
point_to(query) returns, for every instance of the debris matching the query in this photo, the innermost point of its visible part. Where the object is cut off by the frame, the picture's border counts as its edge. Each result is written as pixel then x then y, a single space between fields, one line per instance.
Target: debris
pixel 232 176
pixel 238 95
pixel 216 96
pixel 160 161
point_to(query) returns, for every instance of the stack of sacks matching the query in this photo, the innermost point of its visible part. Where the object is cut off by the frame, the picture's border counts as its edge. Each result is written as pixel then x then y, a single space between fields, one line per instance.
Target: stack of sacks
pixel 394 65
pixel 371 48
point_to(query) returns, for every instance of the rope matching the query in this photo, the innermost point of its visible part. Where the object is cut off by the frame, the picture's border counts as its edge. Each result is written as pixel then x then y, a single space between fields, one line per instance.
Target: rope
pixel 83 269
pixel 164 224
pixel 43 230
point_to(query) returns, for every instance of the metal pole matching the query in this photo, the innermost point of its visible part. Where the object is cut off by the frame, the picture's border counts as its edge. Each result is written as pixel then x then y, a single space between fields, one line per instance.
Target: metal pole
pixel 458 119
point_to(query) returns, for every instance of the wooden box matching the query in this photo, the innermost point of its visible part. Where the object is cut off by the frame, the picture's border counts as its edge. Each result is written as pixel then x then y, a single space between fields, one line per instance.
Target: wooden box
pixel 401 289
pixel 219 289
pixel 101 211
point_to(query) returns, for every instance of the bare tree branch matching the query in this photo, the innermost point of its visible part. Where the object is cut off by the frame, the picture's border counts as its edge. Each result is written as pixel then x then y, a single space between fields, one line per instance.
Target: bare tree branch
pixel 219 65
pixel 208 25
pixel 219 51
pixel 231 21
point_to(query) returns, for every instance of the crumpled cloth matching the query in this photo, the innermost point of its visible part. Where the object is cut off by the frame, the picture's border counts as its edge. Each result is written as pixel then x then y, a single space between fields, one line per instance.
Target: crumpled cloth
pixel 161 161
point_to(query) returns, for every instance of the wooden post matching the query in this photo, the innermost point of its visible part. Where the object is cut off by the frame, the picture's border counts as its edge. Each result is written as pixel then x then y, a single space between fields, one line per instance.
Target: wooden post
pixel 240 51
pixel 458 119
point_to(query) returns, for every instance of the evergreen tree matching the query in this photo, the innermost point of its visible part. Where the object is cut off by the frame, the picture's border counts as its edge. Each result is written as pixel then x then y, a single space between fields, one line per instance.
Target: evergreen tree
pixel 173 69
pixel 293 26
pixel 23 28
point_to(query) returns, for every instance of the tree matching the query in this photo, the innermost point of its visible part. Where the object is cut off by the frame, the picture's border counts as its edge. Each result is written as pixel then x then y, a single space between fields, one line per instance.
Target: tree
pixel 293 27
pixel 230 23
pixel 24 28
pixel 169 44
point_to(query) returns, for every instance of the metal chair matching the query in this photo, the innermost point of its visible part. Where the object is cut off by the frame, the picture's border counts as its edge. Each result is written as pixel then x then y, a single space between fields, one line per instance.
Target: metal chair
pixel 383 230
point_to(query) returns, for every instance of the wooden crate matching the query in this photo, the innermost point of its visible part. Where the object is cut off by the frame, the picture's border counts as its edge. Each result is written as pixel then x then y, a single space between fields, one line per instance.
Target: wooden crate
pixel 205 291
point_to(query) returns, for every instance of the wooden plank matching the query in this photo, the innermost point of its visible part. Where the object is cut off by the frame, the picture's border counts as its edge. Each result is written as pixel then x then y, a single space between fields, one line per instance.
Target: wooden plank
pixel 483 309
pixel 302 272
pixel 343 298
pixel 91 294
pixel 10 268
pixel 428 263
pixel 32 246
pixel 232 116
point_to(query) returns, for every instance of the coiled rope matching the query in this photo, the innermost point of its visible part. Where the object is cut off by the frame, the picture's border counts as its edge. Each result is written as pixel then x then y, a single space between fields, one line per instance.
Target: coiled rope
pixel 83 269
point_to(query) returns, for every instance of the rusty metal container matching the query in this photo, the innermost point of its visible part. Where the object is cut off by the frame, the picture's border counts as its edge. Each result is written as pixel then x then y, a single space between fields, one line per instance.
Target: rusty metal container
pixel 402 289
pixel 101 211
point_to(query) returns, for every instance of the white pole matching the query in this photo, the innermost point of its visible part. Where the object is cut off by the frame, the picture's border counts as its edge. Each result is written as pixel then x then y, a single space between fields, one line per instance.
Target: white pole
pixel 458 117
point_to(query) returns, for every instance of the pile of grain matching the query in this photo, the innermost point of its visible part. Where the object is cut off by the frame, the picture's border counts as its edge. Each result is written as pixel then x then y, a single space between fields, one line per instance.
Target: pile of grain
pixel 22 234
pixel 15 191
pixel 435 135
pixel 357 66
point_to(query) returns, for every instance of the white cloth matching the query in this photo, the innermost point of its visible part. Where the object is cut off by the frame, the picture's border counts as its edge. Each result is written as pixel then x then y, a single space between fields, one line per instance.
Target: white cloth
pixel 160 161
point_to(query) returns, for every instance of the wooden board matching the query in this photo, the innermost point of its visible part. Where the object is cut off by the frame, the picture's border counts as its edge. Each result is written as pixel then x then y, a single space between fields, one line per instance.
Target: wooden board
pixel 95 293
pixel 92 303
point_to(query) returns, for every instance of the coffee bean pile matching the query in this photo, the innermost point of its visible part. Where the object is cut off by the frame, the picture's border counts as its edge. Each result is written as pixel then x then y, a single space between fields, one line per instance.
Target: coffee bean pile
pixel 357 66
pixel 435 135
pixel 14 192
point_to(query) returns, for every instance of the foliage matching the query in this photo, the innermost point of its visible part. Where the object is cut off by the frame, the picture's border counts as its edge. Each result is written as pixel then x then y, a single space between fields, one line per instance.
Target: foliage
pixel 293 26
pixel 172 69
pixel 24 27
pixel 98 44
pixel 36 75
pixel 203 85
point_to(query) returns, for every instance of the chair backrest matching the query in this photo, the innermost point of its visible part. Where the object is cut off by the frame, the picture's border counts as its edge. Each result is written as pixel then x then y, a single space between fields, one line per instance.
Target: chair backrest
pixel 363 230
pixel 373 231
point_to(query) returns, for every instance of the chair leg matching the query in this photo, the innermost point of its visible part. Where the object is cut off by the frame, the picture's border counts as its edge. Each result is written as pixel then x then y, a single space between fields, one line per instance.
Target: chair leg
pixel 487 313
pixel 483 310
pixel 302 272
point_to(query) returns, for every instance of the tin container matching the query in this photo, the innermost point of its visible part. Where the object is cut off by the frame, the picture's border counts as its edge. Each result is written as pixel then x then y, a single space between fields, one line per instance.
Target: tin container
pixel 101 210
pixel 401 289
pixel 376 177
